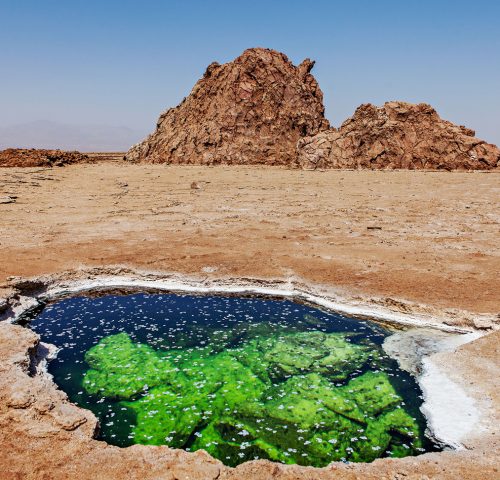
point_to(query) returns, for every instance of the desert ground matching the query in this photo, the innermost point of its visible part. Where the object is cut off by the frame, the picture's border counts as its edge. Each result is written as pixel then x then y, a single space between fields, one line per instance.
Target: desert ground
pixel 428 237
pixel 410 240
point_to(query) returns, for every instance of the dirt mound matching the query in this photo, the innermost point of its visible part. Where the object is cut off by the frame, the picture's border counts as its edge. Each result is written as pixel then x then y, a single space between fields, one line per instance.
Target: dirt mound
pixel 20 157
pixel 398 135
pixel 252 110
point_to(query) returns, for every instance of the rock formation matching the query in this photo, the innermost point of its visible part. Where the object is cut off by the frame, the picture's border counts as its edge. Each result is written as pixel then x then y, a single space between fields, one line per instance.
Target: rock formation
pixel 397 135
pixel 252 110
pixel 20 157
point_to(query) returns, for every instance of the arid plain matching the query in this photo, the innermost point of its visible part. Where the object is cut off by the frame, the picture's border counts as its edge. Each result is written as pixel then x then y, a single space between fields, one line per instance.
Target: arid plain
pixel 429 237
pixel 412 241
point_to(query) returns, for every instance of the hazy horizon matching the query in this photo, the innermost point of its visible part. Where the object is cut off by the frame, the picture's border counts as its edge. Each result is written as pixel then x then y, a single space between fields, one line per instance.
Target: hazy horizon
pixel 117 65
pixel 83 137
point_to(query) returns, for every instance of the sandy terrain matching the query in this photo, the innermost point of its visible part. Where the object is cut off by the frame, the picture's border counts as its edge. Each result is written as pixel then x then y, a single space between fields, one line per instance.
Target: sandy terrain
pixel 426 237
pixel 414 241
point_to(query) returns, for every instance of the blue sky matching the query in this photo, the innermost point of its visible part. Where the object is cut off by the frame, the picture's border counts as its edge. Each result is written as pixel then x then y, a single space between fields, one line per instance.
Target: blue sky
pixel 123 62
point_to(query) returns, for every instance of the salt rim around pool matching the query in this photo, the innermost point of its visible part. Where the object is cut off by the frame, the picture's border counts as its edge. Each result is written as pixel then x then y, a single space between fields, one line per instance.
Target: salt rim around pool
pixel 308 395
pixel 440 421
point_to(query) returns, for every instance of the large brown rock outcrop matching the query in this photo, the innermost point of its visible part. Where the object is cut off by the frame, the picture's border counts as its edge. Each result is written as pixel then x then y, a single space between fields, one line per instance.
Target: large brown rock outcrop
pixel 398 135
pixel 23 157
pixel 252 110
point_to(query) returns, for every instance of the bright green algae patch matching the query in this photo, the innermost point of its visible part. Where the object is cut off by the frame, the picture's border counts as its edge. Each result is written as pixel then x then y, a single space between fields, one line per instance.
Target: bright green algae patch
pixel 302 397
pixel 121 368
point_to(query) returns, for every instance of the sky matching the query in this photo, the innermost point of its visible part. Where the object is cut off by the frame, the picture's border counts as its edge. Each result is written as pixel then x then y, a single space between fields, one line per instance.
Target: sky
pixel 121 63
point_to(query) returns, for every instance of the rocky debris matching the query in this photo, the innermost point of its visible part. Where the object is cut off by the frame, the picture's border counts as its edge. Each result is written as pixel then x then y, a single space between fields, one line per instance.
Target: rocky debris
pixel 22 157
pixel 252 110
pixel 8 199
pixel 398 135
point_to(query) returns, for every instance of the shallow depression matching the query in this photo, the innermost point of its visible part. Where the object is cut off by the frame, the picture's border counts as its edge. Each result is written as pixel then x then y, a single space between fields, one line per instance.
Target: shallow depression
pixel 242 378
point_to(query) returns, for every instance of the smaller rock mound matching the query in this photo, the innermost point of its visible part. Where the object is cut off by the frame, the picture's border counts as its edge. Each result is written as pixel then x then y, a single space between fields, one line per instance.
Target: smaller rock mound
pixel 398 135
pixel 21 157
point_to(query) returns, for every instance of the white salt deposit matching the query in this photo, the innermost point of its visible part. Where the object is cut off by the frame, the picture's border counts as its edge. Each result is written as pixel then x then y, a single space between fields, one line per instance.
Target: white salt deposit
pixel 450 413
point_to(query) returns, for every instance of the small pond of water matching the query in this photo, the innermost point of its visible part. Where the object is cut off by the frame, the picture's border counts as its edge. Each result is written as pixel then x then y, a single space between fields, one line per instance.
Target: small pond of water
pixel 242 378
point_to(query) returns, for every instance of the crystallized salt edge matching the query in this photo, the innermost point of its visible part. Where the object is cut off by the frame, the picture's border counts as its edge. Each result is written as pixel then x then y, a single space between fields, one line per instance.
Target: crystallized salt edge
pixel 451 414
pixel 342 306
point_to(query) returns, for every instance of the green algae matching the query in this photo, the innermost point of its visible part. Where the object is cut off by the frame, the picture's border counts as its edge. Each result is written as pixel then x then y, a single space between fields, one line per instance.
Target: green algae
pixel 302 397
pixel 121 368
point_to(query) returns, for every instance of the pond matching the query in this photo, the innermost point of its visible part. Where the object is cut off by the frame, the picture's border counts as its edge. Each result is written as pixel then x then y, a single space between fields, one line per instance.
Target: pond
pixel 242 378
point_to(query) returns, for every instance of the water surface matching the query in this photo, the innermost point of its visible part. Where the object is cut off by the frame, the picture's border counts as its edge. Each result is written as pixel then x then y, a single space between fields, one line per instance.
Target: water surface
pixel 242 378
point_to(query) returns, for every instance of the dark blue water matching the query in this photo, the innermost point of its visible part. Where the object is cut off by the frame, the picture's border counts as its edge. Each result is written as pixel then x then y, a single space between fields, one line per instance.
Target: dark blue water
pixel 177 322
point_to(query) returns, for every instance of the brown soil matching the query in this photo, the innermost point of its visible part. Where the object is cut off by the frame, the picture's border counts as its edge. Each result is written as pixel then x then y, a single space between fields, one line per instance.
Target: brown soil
pixel 430 238
pixel 426 237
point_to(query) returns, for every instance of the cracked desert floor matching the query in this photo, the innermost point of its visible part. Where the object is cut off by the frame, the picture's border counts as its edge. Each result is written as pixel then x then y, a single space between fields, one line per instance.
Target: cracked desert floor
pixel 429 239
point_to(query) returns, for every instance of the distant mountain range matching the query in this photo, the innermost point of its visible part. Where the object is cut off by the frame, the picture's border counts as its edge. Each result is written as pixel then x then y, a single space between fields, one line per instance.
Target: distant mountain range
pixel 86 138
